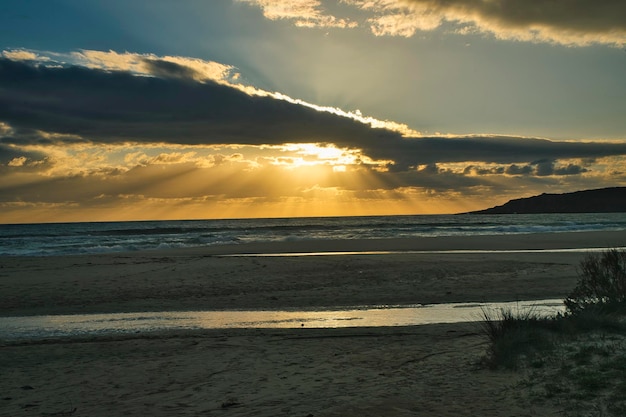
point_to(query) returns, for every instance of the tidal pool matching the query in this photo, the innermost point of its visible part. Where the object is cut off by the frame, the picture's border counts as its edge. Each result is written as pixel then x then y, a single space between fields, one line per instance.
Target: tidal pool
pixel 36 327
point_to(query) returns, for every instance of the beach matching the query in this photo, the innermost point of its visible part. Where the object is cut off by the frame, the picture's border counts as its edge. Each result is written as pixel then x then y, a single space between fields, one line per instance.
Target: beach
pixel 429 370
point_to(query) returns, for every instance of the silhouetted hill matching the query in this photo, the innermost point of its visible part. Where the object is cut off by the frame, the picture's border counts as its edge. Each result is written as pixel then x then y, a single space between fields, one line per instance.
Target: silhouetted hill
pixel 604 200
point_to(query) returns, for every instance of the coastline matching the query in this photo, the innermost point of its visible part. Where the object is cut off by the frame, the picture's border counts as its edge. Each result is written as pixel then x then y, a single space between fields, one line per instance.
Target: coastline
pixel 408 271
pixel 511 242
pixel 428 370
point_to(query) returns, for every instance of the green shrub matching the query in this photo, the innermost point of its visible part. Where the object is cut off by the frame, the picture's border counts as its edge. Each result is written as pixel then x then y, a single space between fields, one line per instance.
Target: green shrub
pixel 513 334
pixel 601 284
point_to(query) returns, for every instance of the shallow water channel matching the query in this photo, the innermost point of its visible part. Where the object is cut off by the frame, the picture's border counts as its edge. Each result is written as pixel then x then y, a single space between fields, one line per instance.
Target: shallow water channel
pixel 36 327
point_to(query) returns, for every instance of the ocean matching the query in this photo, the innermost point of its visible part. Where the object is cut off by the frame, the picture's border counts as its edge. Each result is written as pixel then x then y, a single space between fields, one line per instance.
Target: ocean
pixel 51 239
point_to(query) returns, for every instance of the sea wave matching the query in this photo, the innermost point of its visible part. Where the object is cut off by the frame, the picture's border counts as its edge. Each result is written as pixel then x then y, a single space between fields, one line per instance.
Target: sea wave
pixel 82 238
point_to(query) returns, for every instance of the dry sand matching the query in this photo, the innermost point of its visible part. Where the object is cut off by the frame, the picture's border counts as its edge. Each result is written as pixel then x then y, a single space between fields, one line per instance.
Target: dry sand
pixel 409 371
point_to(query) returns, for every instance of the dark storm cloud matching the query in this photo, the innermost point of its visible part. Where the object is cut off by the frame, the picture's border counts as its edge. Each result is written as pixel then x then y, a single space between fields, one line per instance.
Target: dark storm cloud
pixel 603 21
pixel 477 170
pixel 494 149
pixel 583 15
pixel 519 170
pixel 116 107
pixel 167 69
pixel 540 168
pixel 112 107
pixel 21 136
pixel 433 177
pixel 547 167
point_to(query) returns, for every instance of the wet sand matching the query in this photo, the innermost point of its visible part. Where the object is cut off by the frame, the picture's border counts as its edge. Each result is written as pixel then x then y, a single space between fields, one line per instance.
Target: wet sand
pixel 419 371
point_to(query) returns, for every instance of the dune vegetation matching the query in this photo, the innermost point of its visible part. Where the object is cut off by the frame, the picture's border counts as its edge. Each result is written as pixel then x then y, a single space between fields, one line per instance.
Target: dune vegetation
pixel 576 359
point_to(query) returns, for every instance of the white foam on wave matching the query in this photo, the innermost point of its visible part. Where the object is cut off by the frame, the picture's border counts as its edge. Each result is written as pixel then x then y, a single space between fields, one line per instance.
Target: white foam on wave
pixel 84 238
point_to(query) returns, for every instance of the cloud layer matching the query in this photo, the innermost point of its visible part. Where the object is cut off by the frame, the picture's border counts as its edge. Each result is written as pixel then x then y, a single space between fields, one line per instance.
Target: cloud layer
pixel 579 22
pixel 131 131
pixel 108 107
pixel 304 13
pixel 74 104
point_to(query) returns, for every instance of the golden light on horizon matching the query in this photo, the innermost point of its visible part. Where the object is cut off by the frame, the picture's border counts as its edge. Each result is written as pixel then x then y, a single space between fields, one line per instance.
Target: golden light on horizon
pixel 91 182
pixel 178 184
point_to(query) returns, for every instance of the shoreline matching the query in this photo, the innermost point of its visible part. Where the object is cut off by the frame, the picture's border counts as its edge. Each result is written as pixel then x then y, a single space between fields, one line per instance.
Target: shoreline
pixel 430 370
pixel 408 271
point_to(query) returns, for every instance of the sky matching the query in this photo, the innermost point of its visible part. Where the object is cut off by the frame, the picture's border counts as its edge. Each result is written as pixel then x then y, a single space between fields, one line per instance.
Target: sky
pixel 200 109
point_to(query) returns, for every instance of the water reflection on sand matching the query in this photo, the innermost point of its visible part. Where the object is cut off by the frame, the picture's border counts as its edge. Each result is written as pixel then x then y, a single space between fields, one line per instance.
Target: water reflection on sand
pixel 367 316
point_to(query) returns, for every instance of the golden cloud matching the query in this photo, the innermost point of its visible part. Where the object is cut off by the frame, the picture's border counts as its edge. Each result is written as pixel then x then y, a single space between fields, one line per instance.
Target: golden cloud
pixel 304 13
pixel 580 23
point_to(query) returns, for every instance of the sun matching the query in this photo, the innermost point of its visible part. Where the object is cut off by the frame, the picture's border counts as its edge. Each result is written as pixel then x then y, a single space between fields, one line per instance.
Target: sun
pixel 312 154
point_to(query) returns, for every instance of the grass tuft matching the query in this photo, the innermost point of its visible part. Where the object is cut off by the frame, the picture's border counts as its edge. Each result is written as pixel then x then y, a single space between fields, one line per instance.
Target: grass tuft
pixel 514 334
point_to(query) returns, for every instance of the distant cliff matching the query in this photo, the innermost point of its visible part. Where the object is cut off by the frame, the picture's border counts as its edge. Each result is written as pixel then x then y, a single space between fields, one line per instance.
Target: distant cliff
pixel 605 200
